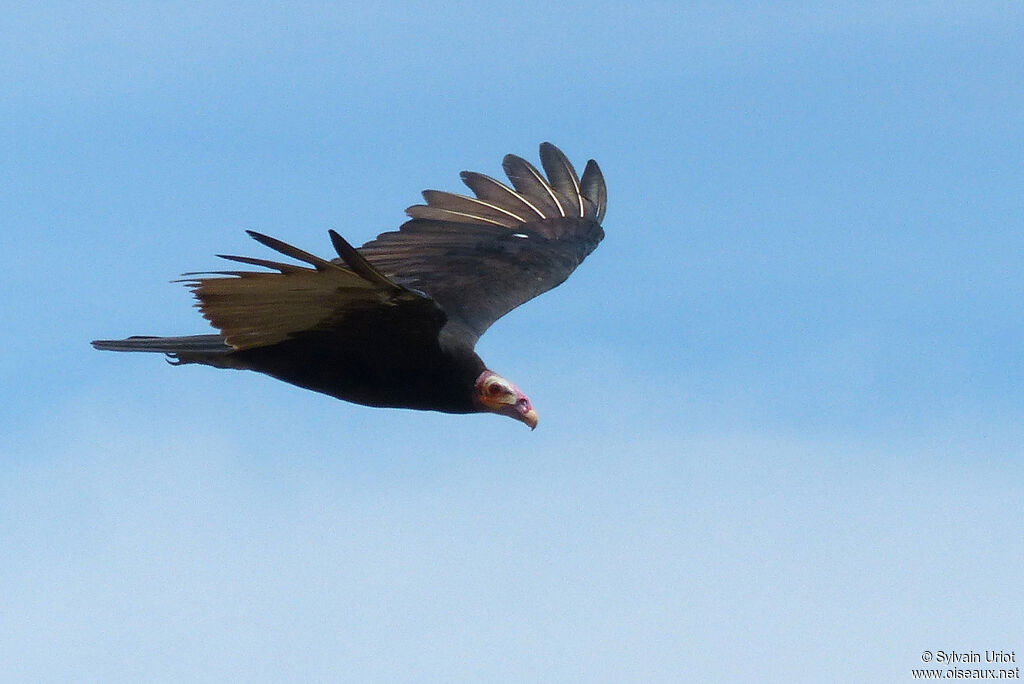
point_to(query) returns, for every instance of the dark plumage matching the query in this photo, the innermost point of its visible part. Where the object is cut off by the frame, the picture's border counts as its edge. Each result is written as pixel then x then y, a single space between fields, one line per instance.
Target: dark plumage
pixel 394 323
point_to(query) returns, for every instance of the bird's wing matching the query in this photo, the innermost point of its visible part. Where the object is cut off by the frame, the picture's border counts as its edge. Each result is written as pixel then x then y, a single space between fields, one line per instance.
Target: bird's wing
pixel 259 308
pixel 481 257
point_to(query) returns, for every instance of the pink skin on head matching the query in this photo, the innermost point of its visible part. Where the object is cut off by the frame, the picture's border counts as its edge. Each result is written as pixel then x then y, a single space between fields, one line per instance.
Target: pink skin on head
pixel 497 395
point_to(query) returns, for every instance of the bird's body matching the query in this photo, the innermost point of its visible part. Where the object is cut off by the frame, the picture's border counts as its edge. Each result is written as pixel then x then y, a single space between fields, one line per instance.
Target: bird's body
pixel 417 377
pixel 395 323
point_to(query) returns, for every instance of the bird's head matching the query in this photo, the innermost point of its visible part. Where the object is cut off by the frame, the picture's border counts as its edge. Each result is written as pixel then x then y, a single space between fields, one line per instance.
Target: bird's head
pixel 496 394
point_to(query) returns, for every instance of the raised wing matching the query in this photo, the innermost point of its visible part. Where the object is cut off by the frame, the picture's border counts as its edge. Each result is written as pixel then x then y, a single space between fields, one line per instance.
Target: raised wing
pixel 480 257
pixel 259 308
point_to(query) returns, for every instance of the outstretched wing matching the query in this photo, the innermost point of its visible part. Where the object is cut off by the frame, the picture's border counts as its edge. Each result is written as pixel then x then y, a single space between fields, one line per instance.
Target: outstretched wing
pixel 481 257
pixel 259 308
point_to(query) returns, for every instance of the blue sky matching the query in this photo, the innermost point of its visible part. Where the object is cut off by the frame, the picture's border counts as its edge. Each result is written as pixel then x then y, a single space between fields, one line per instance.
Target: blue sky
pixel 780 406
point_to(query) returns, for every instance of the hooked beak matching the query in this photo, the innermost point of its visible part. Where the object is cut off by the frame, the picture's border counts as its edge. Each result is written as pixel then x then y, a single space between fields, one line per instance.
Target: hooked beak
pixel 497 395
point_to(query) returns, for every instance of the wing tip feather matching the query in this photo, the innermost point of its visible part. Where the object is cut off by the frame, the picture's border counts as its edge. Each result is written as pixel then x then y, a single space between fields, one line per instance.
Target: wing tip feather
pixel 557 193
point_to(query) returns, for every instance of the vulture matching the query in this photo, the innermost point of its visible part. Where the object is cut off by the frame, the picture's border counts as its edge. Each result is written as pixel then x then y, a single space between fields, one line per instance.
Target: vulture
pixel 394 323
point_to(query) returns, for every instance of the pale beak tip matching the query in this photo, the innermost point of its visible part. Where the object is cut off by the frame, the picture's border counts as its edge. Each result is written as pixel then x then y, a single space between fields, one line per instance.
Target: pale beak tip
pixel 530 418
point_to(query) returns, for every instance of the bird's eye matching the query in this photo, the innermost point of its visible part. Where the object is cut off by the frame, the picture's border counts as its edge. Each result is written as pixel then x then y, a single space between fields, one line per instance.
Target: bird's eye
pixel 495 389
pixel 524 402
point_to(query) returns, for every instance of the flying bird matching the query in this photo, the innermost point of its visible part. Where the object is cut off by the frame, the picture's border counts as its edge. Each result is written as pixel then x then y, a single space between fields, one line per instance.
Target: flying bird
pixel 394 323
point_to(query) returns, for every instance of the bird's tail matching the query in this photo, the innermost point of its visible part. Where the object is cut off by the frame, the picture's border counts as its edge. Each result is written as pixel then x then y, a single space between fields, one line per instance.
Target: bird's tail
pixel 189 344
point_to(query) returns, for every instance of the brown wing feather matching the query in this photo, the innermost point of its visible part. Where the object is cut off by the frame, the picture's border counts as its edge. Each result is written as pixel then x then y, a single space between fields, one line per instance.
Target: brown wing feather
pixel 563 179
pixel 595 196
pixel 446 206
pixel 257 309
pixel 529 182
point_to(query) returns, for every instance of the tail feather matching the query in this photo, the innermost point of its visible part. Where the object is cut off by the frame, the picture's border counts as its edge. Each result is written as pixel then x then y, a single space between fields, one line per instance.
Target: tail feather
pixel 202 344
